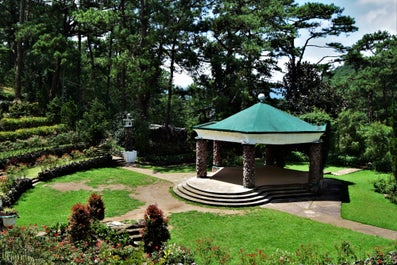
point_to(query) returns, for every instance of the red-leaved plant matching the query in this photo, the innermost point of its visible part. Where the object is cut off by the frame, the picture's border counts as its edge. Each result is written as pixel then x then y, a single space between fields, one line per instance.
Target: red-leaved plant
pixel 79 227
pixel 96 207
pixel 155 233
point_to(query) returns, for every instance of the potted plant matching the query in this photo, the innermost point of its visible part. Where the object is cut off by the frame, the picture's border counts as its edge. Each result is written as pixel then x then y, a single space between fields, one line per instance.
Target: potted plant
pixel 8 216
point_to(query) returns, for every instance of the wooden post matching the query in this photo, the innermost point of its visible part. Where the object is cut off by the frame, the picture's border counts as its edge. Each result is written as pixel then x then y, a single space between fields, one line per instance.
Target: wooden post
pixel 316 167
pixel 201 158
pixel 248 166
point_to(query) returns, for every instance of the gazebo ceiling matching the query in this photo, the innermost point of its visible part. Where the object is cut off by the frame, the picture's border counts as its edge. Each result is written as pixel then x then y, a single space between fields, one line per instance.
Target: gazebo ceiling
pixel 261 124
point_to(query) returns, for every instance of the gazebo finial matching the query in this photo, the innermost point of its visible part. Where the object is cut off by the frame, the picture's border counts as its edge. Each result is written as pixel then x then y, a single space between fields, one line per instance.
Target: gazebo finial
pixel 261 97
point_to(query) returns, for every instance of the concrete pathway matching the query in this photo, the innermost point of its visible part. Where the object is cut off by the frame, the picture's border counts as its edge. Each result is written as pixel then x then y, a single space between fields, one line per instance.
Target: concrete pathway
pixel 325 209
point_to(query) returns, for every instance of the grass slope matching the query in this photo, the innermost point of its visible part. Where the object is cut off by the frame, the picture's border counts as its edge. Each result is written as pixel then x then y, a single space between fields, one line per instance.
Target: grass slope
pixel 44 205
pixel 267 230
pixel 366 206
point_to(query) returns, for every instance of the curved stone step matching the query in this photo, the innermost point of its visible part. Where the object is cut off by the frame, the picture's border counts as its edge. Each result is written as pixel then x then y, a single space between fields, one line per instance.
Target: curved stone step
pixel 237 196
pixel 235 203
pixel 220 198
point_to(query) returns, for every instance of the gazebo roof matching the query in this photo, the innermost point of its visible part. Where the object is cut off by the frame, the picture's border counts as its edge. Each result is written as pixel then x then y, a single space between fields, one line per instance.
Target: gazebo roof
pixel 261 123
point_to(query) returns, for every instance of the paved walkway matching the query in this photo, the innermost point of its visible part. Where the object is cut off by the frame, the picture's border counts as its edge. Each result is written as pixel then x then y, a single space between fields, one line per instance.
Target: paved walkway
pixel 325 209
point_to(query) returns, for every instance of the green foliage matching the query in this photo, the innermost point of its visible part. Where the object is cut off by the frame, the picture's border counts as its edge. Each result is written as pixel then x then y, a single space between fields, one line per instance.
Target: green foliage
pixel 69 114
pixel 94 124
pixel 376 137
pixel 28 245
pixel 388 187
pixel 393 140
pixel 11 124
pixel 172 254
pixel 29 132
pixel 96 207
pixel 21 109
pixel 349 137
pixel 53 112
pixel 155 232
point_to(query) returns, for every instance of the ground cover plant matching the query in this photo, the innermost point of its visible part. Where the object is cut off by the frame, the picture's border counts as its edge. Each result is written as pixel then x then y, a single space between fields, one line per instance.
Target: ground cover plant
pixel 44 205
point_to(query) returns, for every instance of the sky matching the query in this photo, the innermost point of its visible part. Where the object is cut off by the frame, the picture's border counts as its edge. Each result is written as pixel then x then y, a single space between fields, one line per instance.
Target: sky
pixel 370 16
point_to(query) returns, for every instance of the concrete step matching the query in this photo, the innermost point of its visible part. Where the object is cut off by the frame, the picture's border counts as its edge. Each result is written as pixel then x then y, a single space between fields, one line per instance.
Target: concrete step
pixel 185 189
pixel 250 197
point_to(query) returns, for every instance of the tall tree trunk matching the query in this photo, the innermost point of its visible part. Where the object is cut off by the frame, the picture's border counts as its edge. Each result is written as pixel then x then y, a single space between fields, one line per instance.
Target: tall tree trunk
pixel 170 84
pixel 19 56
pixel 55 79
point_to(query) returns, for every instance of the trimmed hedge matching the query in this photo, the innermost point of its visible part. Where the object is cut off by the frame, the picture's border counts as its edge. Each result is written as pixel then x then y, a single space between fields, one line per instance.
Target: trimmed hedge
pixel 23 184
pixel 29 132
pixel 20 186
pixel 12 124
pixel 98 162
pixel 30 158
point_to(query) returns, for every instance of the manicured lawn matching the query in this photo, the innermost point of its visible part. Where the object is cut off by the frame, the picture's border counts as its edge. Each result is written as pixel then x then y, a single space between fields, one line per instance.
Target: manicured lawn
pixel 267 230
pixel 367 206
pixel 44 205
pixel 259 229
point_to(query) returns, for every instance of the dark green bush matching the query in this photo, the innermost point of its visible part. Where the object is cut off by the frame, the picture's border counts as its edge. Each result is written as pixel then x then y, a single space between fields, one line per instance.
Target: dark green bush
pixel 21 109
pixel 387 187
pixel 69 115
pixel 54 110
pixel 94 125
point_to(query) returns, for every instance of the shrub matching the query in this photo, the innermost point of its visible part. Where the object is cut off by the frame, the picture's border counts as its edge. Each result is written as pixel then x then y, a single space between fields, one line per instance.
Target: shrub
pixel 155 233
pixel 12 124
pixel 96 207
pixel 172 254
pixel 29 132
pixel 387 187
pixel 20 109
pixel 69 114
pixel 93 127
pixel 79 227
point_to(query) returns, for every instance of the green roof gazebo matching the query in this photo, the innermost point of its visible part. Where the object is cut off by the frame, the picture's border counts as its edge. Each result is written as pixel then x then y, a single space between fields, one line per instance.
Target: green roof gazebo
pixel 260 124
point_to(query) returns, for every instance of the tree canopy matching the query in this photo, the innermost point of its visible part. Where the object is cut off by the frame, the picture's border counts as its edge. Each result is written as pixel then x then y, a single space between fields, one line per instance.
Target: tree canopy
pixel 123 56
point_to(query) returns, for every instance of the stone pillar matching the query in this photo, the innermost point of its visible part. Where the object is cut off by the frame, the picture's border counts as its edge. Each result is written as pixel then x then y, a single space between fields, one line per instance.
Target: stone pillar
pixel 216 157
pixel 269 156
pixel 248 166
pixel 201 158
pixel 316 167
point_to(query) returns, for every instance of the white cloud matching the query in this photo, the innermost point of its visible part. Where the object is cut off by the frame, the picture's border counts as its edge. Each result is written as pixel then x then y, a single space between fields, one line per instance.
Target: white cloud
pixel 182 80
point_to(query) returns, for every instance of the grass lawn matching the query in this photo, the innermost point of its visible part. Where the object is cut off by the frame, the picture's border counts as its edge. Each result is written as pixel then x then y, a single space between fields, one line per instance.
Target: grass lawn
pixel 270 231
pixel 46 206
pixel 366 206
pixel 260 229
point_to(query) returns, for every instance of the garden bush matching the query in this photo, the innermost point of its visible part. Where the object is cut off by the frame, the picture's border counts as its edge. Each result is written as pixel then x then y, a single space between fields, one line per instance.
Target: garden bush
pixel 24 108
pixel 387 187
pixel 30 158
pixel 96 207
pixel 29 132
pixel 155 233
pixel 12 124
pixel 98 162
pixel 79 227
